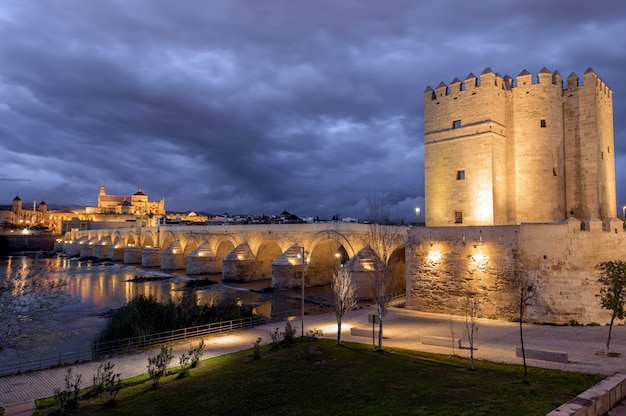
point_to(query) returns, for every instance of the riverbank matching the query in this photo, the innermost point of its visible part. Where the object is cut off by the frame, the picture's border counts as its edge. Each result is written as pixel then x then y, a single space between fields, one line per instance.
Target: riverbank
pixel 98 287
pixel 17 243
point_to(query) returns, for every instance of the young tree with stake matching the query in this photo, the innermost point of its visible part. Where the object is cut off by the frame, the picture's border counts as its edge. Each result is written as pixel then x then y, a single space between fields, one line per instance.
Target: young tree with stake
pixel 344 296
pixel 613 291
pixel 472 309
pixel 527 291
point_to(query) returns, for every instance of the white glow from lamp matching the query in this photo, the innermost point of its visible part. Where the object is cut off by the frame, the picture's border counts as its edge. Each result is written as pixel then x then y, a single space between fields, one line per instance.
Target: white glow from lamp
pixel 480 259
pixel 434 256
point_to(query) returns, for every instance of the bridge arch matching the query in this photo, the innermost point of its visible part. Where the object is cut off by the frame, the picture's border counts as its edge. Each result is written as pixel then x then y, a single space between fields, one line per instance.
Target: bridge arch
pixel 164 239
pixel 131 239
pixel 334 235
pixel 148 239
pixel 267 252
pixel 396 267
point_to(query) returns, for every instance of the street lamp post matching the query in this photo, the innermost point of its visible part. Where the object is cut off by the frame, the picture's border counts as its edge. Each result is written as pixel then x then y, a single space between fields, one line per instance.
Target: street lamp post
pixel 624 211
pixel 417 213
pixel 303 253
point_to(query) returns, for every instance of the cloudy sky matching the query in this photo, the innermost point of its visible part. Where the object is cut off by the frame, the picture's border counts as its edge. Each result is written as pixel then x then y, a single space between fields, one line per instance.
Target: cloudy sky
pixel 256 106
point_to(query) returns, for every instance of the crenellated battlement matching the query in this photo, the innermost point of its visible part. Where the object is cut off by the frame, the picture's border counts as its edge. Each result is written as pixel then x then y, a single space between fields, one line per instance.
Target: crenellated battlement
pixel 493 80
pixel 502 150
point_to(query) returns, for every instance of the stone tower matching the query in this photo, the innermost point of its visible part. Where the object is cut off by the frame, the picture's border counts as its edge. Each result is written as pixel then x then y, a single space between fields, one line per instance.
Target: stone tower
pixel 16 205
pixel 499 151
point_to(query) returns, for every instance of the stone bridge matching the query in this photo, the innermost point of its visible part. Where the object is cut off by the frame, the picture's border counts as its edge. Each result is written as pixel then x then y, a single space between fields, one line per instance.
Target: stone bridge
pixel 248 252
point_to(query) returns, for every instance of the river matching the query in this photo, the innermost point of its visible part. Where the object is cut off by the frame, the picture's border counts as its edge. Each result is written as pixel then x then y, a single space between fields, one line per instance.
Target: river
pixel 96 288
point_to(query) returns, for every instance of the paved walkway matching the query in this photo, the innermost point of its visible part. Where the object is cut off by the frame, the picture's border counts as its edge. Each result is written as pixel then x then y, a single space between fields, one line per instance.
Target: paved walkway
pixel 495 340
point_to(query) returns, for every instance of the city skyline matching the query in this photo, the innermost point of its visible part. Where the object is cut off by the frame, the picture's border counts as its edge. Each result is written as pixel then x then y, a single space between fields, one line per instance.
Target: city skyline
pixel 254 108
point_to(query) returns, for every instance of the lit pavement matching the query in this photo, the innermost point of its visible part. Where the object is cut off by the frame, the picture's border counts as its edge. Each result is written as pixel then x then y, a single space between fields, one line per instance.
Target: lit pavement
pixel 495 341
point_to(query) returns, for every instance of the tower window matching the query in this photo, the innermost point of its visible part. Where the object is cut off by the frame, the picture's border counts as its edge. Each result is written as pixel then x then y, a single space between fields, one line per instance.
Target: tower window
pixel 543 123
pixel 456 124
pixel 458 217
pixel 460 175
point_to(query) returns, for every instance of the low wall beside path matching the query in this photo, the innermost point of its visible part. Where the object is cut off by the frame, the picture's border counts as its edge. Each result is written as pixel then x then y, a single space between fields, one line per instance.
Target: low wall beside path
pixel 597 400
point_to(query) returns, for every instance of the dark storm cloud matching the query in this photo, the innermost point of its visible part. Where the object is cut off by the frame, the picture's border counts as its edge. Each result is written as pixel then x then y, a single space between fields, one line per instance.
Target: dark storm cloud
pixel 255 107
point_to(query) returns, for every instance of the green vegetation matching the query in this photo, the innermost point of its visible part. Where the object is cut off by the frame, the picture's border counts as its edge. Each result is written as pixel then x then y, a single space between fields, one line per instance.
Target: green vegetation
pixel 613 291
pixel 342 380
pixel 143 315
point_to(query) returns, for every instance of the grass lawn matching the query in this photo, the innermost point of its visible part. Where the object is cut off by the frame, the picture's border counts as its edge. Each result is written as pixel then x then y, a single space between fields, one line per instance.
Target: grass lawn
pixel 342 380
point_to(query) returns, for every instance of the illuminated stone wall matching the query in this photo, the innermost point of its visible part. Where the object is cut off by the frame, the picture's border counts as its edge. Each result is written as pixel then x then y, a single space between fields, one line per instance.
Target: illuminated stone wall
pixel 245 252
pixel 444 264
pixel 503 151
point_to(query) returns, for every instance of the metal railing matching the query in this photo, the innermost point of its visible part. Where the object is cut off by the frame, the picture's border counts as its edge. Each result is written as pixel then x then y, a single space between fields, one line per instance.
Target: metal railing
pixel 63 357
pixel 103 349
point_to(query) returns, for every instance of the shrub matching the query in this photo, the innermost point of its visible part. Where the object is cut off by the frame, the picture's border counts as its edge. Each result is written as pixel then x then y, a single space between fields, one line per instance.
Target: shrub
pixel 290 333
pixel 184 361
pixel 105 380
pixel 256 345
pixel 67 400
pixel 157 365
pixel 196 354
pixel 312 337
pixel 144 315
pixel 277 338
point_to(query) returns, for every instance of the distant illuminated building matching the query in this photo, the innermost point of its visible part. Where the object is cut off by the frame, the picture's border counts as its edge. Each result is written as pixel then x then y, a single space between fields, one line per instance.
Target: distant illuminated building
pixel 135 204
pixel 17 216
pixel 112 211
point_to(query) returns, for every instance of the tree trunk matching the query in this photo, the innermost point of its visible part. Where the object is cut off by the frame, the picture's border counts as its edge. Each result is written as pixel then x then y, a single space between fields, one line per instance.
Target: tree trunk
pixel 339 331
pixel 608 340
pixel 521 335
pixel 380 332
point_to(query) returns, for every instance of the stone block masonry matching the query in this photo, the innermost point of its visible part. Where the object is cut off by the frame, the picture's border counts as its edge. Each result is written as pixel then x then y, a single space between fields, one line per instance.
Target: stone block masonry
pixel 446 264
pixel 499 150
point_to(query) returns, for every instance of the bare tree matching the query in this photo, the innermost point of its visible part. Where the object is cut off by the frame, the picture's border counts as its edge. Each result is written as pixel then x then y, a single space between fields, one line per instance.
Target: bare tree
pixel 344 296
pixel 29 298
pixel 527 292
pixel 472 309
pixel 613 291
pixel 382 240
